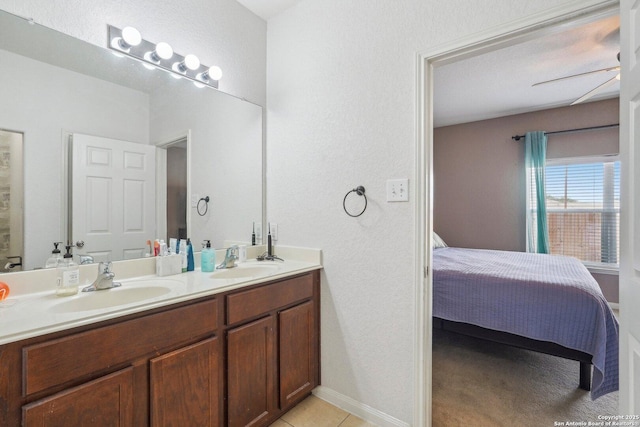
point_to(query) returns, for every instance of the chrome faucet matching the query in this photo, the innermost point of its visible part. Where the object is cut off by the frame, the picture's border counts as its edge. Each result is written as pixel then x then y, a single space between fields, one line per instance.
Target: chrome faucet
pixel 86 259
pixel 104 279
pixel 230 258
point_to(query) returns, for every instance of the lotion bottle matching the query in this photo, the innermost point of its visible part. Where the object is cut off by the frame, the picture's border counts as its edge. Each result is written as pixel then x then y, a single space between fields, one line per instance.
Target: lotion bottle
pixel 208 258
pixel 68 275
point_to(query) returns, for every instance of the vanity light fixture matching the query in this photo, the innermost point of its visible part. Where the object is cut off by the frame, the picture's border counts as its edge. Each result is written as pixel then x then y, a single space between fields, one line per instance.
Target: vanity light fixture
pixel 190 62
pixel 129 37
pixel 129 42
pixel 162 51
pixel 213 73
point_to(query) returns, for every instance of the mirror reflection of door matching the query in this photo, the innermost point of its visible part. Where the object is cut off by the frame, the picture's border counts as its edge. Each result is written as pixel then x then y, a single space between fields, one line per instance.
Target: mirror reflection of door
pixel 177 189
pixel 11 201
pixel 112 197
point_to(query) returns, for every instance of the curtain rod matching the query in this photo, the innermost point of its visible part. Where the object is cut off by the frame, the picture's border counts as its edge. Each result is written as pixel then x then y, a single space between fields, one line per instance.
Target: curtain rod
pixel 519 137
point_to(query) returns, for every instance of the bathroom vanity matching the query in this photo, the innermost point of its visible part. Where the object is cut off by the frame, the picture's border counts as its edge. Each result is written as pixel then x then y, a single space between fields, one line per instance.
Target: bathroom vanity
pixel 241 353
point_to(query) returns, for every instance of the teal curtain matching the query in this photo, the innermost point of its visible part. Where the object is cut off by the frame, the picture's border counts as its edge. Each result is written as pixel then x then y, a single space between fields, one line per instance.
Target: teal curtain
pixel 535 156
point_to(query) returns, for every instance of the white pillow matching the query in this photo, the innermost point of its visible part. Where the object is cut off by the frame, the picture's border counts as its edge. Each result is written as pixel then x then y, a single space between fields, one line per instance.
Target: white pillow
pixel 438 242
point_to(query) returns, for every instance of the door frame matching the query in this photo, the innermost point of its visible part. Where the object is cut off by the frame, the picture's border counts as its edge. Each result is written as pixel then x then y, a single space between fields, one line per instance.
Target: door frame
pixel 547 22
pixel 161 193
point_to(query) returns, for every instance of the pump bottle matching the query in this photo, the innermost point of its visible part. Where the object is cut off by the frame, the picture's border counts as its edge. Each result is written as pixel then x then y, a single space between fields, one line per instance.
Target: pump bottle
pixel 52 262
pixel 68 274
pixel 208 258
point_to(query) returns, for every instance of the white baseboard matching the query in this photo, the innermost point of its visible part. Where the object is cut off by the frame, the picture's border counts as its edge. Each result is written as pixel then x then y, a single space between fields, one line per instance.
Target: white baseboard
pixel 358 409
pixel 614 305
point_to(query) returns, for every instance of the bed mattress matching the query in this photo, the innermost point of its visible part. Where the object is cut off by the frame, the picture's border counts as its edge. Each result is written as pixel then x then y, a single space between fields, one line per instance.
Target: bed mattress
pixel 543 297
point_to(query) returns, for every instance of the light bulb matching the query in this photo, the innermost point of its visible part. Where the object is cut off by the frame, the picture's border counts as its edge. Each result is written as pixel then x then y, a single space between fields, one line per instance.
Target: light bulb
pixel 131 36
pixel 191 62
pixel 164 50
pixel 215 72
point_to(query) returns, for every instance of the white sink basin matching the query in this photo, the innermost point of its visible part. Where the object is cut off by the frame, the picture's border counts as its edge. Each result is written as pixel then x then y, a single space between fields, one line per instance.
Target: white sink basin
pixel 86 301
pixel 246 271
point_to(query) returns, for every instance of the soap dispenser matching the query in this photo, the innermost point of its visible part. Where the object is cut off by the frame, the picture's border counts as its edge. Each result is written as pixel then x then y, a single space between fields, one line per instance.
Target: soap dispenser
pixel 208 258
pixel 55 257
pixel 68 274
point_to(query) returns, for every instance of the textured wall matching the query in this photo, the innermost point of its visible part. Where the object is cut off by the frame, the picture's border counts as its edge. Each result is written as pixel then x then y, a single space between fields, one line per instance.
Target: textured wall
pixel 341 112
pixel 219 32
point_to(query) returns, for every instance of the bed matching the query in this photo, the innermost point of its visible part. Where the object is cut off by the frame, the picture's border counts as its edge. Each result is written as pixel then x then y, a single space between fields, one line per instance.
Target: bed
pixel 545 303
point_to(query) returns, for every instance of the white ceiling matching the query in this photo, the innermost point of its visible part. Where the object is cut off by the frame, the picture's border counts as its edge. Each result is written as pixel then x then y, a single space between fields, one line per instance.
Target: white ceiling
pixel 499 83
pixel 267 8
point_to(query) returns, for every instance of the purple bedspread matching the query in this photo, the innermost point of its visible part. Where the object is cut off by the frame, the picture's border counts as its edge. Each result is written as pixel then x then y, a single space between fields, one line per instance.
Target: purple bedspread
pixel 543 297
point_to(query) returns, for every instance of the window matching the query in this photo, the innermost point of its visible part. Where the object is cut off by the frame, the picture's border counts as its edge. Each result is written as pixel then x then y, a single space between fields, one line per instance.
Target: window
pixel 583 208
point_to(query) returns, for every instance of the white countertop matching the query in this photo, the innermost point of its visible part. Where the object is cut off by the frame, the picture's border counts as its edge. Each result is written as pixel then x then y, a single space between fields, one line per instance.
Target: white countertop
pixel 39 312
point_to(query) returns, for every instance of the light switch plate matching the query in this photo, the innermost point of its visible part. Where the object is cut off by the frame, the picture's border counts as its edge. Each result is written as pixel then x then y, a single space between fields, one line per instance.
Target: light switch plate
pixel 398 190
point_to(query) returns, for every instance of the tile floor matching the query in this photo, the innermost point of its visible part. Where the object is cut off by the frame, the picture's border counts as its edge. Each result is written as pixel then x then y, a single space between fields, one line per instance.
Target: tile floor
pixel 315 412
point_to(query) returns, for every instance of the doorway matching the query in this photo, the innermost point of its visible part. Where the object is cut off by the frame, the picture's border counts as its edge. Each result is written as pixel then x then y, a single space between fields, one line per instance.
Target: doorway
pixel 173 188
pixel 479 43
pixel 11 201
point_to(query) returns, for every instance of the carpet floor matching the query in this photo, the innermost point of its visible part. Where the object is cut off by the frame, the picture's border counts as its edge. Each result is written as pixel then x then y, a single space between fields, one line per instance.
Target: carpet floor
pixel 478 383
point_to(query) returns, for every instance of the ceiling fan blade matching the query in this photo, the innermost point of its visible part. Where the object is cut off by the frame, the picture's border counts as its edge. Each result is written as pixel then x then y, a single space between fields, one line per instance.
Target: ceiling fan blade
pixel 602 70
pixel 595 91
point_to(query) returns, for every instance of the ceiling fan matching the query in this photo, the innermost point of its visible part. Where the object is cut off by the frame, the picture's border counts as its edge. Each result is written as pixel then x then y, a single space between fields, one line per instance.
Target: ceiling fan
pixel 593 91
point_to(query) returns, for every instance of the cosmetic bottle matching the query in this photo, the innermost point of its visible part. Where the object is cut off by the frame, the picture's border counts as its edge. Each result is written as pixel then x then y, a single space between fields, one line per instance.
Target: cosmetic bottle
pixel 208 258
pixel 55 257
pixel 190 264
pixel 183 254
pixel 68 275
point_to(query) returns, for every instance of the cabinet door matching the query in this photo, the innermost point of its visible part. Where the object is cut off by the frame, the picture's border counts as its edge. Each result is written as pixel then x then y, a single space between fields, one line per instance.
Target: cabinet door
pixel 298 353
pixel 107 401
pixel 251 365
pixel 186 386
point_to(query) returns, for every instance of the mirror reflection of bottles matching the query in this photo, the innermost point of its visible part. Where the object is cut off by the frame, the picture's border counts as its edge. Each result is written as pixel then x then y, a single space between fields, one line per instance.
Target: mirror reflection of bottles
pixel 68 274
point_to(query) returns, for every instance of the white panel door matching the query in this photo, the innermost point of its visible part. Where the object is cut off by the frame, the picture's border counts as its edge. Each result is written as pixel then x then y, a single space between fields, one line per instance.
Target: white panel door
pixel 630 214
pixel 112 196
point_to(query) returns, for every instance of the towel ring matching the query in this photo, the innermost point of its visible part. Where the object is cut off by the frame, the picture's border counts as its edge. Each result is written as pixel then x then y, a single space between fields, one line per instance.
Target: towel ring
pixel 359 190
pixel 206 205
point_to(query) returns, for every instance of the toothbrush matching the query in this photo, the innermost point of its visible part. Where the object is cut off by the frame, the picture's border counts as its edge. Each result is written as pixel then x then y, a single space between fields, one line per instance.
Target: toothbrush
pixel 253 235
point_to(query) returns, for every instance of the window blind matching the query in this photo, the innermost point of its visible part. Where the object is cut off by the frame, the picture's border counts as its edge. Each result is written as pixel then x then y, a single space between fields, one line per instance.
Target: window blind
pixel 583 209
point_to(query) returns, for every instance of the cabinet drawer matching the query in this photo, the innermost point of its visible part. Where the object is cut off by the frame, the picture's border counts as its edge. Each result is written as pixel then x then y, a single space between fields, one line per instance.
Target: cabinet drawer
pixel 248 304
pixel 58 361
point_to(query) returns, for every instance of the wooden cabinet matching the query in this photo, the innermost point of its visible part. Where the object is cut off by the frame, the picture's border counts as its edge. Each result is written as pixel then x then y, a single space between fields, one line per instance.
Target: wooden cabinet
pixel 298 348
pixel 240 358
pixel 272 349
pixel 185 386
pixel 251 381
pixel 107 401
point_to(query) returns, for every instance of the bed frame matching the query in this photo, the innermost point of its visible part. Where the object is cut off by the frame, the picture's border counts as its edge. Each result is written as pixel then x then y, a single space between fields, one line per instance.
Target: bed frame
pixel 522 342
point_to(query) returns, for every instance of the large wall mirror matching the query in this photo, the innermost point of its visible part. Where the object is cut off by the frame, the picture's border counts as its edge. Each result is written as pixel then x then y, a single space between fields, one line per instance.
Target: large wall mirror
pixel 77 109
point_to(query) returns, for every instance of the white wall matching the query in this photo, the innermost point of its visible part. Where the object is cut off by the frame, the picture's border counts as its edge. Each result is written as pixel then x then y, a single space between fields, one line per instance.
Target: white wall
pixel 341 84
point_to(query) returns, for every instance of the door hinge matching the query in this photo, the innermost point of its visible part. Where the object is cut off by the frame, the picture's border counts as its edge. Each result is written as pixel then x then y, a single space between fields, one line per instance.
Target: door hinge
pixel 426 271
